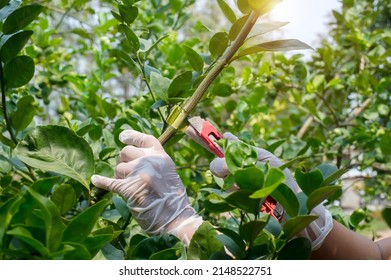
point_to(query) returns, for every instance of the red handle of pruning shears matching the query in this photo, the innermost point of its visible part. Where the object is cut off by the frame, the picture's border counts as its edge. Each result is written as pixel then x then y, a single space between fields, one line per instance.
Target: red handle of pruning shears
pixel 208 131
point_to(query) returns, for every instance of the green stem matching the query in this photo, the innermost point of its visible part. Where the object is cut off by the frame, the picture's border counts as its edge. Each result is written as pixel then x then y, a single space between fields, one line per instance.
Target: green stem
pixel 4 106
pixel 149 86
pixel 213 73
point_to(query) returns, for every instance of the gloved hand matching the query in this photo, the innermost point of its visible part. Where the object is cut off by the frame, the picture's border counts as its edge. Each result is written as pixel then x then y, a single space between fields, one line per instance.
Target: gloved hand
pixel 146 177
pixel 317 230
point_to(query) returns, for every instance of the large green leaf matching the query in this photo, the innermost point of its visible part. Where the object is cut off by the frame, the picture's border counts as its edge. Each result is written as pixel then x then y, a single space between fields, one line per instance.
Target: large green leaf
pixel 60 150
pixel 81 226
pixel 21 17
pixel 204 243
pixel 19 71
pixel 14 45
pixel 242 200
pixel 385 141
pixel 263 6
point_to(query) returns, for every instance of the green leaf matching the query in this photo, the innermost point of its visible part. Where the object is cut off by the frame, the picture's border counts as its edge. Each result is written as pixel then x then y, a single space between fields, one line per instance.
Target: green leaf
pixel 320 195
pixel 237 27
pixel 131 36
pixel 81 226
pixel 204 243
pixel 7 211
pixel 249 231
pixel 128 13
pixel 249 178
pixel 9 9
pixel 19 71
pixel 278 45
pixel 223 90
pixel 51 216
pixel 24 114
pixel 235 237
pixel 176 5
pixel 152 245
pixel 218 44
pixel 160 85
pixel 239 155
pixel 308 180
pixel 195 60
pixel 14 45
pixel 24 235
pixel 244 6
pixel 296 249
pixel 44 185
pixel 167 254
pixel 333 177
pixel 295 225
pixel 95 243
pixel 4 3
pixel 385 141
pixel 20 18
pixel 180 84
pixel 216 204
pixel 243 200
pixel 121 206
pixel 227 11
pixel 287 198
pixel 64 197
pixel 231 246
pixel 386 214
pixel 76 251
pixel 274 178
pixel 57 149
pixel 357 217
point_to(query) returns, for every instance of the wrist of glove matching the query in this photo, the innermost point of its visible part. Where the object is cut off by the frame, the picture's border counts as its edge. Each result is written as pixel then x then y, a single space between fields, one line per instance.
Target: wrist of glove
pixel 317 231
pixel 146 177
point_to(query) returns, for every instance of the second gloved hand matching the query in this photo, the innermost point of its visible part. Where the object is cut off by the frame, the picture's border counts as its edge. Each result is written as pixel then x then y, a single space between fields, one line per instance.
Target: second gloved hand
pixel 146 177
pixel 317 230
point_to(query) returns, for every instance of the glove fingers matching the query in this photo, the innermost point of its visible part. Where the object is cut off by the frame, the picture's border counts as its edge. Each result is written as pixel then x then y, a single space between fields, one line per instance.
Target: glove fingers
pixel 103 182
pixel 138 139
pixel 219 167
pixel 230 136
pixel 130 153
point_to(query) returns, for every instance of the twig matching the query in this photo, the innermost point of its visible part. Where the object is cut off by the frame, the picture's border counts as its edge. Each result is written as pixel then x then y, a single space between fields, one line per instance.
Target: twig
pixel 213 73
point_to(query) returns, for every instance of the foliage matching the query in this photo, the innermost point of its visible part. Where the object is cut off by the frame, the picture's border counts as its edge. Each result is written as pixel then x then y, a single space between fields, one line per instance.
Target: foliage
pixel 75 74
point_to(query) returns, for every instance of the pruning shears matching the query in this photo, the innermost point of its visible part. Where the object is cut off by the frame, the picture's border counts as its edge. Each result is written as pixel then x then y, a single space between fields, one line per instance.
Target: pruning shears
pixel 209 135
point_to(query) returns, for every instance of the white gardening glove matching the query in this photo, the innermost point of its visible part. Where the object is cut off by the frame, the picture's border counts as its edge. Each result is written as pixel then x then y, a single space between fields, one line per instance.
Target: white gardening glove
pixel 146 177
pixel 317 230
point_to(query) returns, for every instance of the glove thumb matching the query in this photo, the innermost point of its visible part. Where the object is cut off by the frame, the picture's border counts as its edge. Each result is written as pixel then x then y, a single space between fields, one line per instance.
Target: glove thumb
pixel 103 182
pixel 219 167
